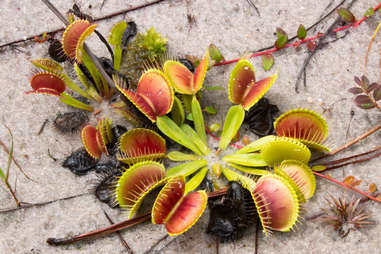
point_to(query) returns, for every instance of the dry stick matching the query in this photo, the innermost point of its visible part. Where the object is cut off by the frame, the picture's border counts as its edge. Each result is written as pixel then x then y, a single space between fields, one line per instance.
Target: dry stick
pixel 42 127
pixel 100 232
pixel 124 243
pixel 13 193
pixel 255 7
pixel 16 163
pixel 347 186
pixel 350 157
pixel 256 238
pixel 354 141
pixel 24 205
pixel 353 162
pixel 95 20
pixel 117 227
pixel 318 46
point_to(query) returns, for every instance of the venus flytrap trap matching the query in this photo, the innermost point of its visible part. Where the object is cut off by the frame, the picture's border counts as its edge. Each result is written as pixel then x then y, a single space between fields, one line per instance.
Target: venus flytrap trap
pixel 245 91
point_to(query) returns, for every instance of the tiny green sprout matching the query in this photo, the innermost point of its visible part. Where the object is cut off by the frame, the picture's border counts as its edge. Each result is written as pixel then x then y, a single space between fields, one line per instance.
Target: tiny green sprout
pixel 282 38
pixel 369 12
pixel 346 15
pixel 215 127
pixel 302 32
pixel 210 110
pixel 215 54
pixel 267 61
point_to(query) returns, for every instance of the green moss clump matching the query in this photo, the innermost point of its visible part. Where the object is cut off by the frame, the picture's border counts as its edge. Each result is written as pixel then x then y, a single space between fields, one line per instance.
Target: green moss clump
pixel 149 47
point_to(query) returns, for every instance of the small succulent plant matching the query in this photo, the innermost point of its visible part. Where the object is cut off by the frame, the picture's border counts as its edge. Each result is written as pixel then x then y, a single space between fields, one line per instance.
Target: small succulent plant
pixel 346 215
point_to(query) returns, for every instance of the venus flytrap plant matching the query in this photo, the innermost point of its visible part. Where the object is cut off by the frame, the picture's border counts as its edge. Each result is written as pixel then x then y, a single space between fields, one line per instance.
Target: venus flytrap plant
pixel 245 91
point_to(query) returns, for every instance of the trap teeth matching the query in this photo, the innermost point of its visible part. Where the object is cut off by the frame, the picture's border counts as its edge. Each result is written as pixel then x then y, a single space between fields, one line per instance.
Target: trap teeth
pixel 74 37
pixel 300 177
pixel 141 144
pixel 305 125
pixel 243 88
pixel 184 81
pixel 277 203
pixel 47 83
pixel 283 148
pixel 177 210
pixel 136 182
pixel 154 95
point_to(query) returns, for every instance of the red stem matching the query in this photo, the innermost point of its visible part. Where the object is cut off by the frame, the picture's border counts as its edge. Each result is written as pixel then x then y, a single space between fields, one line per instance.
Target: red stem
pixel 347 186
pixel 299 42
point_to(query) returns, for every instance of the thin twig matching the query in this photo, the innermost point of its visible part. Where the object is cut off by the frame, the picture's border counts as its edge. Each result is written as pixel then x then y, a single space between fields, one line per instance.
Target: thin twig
pixel 350 157
pixel 354 141
pixel 42 127
pixel 366 134
pixel 13 193
pixel 5 148
pixel 256 237
pixel 347 186
pixel 353 162
pixel 109 16
pixel 319 45
pixel 124 243
pixel 255 7
pixel 100 232
pixel 24 205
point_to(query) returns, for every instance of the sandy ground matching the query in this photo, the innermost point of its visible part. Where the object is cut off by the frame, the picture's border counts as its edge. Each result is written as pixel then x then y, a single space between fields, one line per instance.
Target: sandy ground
pixel 236 29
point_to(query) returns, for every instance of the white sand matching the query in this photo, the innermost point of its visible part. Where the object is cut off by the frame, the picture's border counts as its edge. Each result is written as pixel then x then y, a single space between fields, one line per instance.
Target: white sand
pixel 236 29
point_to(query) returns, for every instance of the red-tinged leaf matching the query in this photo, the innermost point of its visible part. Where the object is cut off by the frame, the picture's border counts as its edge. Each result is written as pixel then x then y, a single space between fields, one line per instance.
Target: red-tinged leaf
pixel 363 101
pixel 358 81
pixel 349 180
pixel 355 90
pixel 346 15
pixel 302 33
pixel 311 46
pixel 282 38
pixel 372 87
pixel 187 213
pixel 365 81
pixel 267 61
pixel 377 93
pixel 167 199
pixel 356 183
pixel 141 144
pixel 91 141
pixel 369 12
pixel 154 88
pixel 372 188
